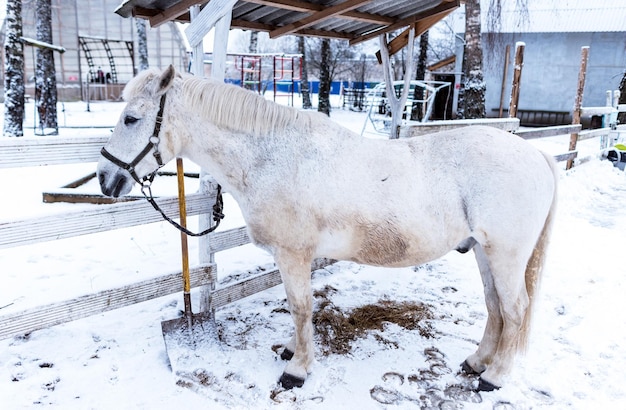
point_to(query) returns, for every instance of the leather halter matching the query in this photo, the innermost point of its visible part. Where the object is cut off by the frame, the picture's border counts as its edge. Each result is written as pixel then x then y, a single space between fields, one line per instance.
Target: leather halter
pixel 153 144
pixel 146 181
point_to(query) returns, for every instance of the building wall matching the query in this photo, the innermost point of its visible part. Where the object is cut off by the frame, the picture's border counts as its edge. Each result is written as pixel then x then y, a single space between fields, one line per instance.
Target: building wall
pixel 96 18
pixel 551 66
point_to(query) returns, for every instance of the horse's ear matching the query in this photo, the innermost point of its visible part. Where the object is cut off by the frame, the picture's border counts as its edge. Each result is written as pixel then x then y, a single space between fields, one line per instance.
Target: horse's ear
pixel 166 80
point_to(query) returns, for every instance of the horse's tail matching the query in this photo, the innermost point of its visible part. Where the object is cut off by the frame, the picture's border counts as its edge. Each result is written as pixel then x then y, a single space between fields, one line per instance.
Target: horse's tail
pixel 537 259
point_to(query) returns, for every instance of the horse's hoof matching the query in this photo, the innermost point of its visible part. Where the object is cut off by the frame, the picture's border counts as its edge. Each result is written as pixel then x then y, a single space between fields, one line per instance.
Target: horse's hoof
pixel 289 382
pixel 467 369
pixel 484 385
pixel 286 354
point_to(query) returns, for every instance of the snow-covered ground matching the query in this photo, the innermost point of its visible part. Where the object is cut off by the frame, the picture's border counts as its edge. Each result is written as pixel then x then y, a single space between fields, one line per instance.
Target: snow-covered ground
pixel 117 360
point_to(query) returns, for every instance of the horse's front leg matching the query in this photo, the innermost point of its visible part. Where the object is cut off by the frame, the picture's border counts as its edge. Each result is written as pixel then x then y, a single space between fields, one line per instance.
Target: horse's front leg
pixel 295 270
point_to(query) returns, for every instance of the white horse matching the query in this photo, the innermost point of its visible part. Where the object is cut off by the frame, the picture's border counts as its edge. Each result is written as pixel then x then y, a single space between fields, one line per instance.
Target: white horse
pixel 309 188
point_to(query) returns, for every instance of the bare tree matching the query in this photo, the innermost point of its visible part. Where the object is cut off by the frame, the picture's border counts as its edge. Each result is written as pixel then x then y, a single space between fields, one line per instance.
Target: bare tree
pixel 328 58
pixel 323 104
pixel 13 71
pixel 417 109
pixel 472 92
pixel 304 80
pixel 45 73
pixel 249 78
pixel 142 42
pixel 339 61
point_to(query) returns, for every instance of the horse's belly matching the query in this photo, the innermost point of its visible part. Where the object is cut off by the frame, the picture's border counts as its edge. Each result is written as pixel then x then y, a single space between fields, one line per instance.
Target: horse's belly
pixel 378 248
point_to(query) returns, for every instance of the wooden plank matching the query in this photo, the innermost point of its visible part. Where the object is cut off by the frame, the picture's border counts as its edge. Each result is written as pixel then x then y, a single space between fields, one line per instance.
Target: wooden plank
pixel 589 111
pixel 322 15
pixel 413 128
pixel 50 150
pixel 41 317
pixel 80 181
pixel 248 287
pixel 292 5
pixel 206 19
pixel 548 131
pixel 520 46
pixel 306 7
pixel 441 11
pixel 598 132
pixel 421 26
pixel 96 219
pixel 69 195
pixel 568 156
pixel 171 13
pixel 221 241
pixel 578 102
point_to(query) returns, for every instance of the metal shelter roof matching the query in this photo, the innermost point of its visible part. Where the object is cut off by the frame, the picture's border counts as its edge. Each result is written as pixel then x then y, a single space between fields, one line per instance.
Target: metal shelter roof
pixel 353 20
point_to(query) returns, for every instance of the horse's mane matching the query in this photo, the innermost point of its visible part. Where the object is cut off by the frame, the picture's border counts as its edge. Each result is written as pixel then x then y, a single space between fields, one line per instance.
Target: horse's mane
pixel 238 109
pixel 228 106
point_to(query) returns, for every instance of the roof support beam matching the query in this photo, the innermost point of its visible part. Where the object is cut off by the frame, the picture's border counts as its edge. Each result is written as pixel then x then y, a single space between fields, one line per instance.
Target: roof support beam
pixel 251 25
pixel 305 7
pixel 436 14
pixel 205 21
pixel 317 17
pixel 173 12
pixel 400 41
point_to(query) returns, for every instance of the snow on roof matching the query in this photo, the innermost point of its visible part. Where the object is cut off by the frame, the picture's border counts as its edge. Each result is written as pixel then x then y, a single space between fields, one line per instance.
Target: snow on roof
pixel 556 16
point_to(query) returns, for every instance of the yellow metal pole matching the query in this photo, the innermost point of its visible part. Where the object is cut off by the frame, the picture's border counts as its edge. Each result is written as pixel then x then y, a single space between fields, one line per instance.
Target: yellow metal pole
pixel 183 238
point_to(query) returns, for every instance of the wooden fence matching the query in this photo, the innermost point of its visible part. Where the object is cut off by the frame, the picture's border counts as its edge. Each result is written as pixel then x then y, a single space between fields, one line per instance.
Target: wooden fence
pixel 52 150
pixel 24 152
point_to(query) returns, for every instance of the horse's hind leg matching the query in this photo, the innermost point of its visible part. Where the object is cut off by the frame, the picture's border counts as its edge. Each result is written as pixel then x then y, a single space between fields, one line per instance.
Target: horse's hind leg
pixel 478 362
pixel 507 307
pixel 295 272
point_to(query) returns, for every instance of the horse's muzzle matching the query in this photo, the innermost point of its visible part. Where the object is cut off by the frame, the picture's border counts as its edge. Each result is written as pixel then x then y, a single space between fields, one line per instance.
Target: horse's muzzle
pixel 115 183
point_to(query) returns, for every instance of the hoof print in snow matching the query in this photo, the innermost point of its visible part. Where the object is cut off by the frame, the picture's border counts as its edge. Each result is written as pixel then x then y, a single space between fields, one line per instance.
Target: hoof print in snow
pixel 385 396
pixel 280 395
pixel 427 388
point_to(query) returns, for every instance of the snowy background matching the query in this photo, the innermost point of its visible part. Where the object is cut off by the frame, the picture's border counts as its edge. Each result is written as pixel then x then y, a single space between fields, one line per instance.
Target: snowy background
pixel 117 360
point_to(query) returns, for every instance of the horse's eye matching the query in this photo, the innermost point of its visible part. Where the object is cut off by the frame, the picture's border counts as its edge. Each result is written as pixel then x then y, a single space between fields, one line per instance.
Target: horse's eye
pixel 130 120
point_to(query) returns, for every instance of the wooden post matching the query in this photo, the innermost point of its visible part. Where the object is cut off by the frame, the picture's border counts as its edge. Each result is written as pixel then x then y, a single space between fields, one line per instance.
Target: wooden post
pixel 208 185
pixel 507 55
pixel 197 67
pixel 396 104
pixel 517 77
pixel 573 139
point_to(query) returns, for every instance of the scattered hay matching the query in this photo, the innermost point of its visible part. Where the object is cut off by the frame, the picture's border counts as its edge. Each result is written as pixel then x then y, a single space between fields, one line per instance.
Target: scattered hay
pixel 338 329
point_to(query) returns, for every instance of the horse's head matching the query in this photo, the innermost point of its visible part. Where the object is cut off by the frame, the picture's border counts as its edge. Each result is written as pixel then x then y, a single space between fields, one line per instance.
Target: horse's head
pixel 138 146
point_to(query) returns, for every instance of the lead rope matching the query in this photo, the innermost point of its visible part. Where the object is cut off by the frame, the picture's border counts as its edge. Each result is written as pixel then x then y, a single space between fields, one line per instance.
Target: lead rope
pixel 218 208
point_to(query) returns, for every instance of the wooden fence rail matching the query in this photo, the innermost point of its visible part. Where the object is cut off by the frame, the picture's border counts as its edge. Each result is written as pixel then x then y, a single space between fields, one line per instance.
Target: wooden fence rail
pixel 41 317
pixel 51 150
pixel 96 218
pixel 99 218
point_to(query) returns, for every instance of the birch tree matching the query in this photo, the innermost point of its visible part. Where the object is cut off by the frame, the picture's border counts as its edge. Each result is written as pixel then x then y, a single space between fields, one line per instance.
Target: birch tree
pixel 304 80
pixel 323 104
pixel 13 71
pixel 250 77
pixel 472 92
pixel 142 43
pixel 45 73
pixel 417 109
